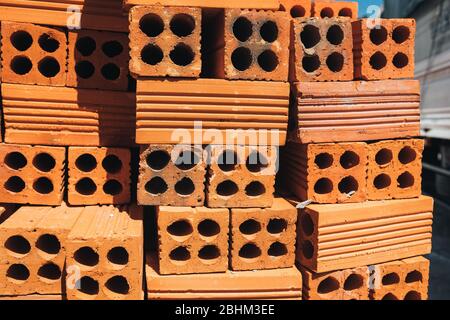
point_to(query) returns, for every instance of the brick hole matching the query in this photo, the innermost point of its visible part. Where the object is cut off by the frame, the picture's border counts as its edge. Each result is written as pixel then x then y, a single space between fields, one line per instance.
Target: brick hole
pixel 413 295
pixel 382 181
pixel 353 282
pixel 49 67
pixel 277 249
pixel 187 160
pixel 208 228
pixel 414 276
pixel 21 40
pixel 48 246
pixel 249 227
pixel 383 157
pixel 228 160
pixel 269 31
pixel 255 189
pixel 14 184
pixel 151 24
pixel 400 60
pixel 307 224
pixel 307 249
pixel 17 246
pixel 329 284
pixel 227 188
pixel 156 186
pixel 110 71
pixel 276 226
pixel 310 36
pixel 407 155
pixel 268 60
pixel 158 160
pixel 15 160
pixel 378 61
pixel 182 25
pixel 86 256
pixel 405 180
pixel 323 186
pixel 281 8
pixel 327 13
pixel 86 186
pixel 86 46
pixel 242 58
pixel 87 286
pixel 18 273
pixel 84 69
pixel 389 296
pixel 378 35
pixel 112 49
pixel 335 35
pixel 118 256
pixel 49 272
pixel 390 279
pixel 209 254
pixel 335 62
pixel 180 255
pixel 182 55
pixel 250 251
pixel 324 160
pixel 21 65
pixel 86 162
pixel 43 185
pixel 401 34
pixel 48 43
pixel 118 284
pixel 256 162
pixel 242 29
pixel 44 162
pixel 311 63
pixel 185 187
pixel 112 164
pixel 349 159
pixel 348 184
pixel 298 11
pixel 152 54
pixel 181 229
pixel 112 187
pixel 345 12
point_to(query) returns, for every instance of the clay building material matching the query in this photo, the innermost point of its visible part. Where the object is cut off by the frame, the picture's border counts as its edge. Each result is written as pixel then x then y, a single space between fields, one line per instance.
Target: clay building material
pixel 250 4
pixel 330 9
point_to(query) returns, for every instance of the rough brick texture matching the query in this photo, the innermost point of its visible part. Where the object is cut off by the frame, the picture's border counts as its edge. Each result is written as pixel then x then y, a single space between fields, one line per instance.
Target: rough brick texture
pixel 251 4
pixel 263 238
pixel 297 8
pixel 330 9
pixel 165 41
pixel 99 175
pixel 171 175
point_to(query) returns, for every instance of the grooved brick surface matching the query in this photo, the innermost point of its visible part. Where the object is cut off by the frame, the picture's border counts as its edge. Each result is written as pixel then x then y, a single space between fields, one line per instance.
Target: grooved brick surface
pixel 171 175
pixel 385 51
pixel 241 176
pixel 192 240
pixel 330 9
pixel 33 250
pixel 32 174
pixel 334 237
pixel 297 8
pixel 323 50
pixel 263 238
pixel 99 175
pixel 32 54
pixel 255 45
pixel 98 60
pixel 165 41
pixel 106 247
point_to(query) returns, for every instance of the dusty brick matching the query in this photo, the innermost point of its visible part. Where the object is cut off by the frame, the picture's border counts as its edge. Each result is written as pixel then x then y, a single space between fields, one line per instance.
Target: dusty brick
pixel 98 60
pixel 99 175
pixel 330 9
pixel 165 41
pixel 171 175
pixel 297 8
pixel 385 51
pixel 33 54
pixel 32 174
pixel 263 238
pixel 255 45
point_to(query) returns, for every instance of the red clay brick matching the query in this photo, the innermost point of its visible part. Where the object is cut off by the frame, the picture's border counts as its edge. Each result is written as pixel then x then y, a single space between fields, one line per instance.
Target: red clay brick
pixel 330 9
pixel 297 8
pixel 250 4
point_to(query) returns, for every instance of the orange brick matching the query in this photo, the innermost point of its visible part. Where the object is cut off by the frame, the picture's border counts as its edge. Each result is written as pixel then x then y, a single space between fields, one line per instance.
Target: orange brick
pixel 330 9
pixel 297 8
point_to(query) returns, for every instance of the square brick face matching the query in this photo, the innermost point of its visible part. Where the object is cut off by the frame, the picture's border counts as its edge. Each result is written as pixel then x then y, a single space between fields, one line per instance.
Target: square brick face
pixel 297 8
pixel 33 54
pixel 256 45
pixel 331 9
pixel 384 51
pixel 165 41
pixel 32 174
pixel 323 50
pixel 98 60
pixel 192 240
pixel 263 238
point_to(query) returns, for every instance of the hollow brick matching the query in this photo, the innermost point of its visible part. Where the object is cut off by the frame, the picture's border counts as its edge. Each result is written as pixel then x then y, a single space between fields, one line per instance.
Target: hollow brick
pixel 330 9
